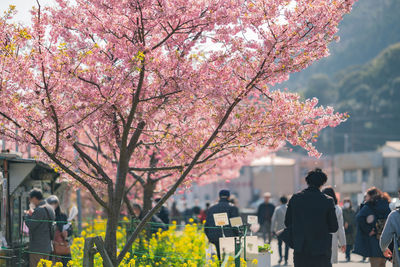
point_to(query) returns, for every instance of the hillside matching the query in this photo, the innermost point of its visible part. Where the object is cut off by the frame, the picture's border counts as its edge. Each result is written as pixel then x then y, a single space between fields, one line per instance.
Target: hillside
pixel 370 94
pixel 371 27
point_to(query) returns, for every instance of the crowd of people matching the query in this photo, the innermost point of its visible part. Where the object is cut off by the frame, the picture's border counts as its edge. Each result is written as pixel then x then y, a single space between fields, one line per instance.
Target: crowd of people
pixel 49 229
pixel 316 226
pixel 312 223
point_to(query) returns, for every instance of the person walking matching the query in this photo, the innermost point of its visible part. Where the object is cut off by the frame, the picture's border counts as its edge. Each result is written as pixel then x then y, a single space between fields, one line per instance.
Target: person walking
pixel 63 232
pixel 391 233
pixel 370 222
pixel 38 220
pixel 264 213
pixel 338 238
pixel 349 220
pixel 154 224
pixel 163 213
pixel 311 218
pixel 212 232
pixel 278 224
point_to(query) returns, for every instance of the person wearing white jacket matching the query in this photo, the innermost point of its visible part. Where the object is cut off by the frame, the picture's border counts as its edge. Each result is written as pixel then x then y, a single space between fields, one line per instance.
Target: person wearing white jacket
pixel 338 238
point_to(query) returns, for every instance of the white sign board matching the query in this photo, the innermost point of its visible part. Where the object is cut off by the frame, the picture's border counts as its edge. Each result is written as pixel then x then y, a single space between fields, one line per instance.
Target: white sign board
pixel 251 219
pixel 252 245
pixel 236 221
pixel 221 219
pixel 227 246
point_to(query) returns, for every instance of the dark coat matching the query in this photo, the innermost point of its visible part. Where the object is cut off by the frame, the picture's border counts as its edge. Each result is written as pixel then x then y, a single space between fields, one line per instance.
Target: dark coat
pixel 312 218
pixel 349 217
pixel 365 245
pixel 163 214
pixel 61 219
pixel 39 228
pixel 265 212
pixel 213 234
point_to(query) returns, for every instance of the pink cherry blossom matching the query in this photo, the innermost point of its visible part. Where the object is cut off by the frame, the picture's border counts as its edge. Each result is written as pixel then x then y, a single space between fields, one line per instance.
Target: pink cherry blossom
pixel 136 97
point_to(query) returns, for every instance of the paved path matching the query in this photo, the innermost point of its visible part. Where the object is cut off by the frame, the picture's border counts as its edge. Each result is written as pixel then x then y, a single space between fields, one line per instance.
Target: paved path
pixel 355 259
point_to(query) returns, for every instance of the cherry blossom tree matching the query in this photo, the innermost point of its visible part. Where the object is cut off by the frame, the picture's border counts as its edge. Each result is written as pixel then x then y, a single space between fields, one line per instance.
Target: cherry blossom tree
pixel 160 93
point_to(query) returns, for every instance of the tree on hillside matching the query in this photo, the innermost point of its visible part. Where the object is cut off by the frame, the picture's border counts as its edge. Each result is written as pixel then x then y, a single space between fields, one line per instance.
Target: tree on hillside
pixel 369 29
pixel 370 94
pixel 114 92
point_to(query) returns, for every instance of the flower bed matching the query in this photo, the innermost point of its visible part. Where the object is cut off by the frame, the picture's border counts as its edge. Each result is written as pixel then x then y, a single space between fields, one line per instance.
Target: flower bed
pixel 172 247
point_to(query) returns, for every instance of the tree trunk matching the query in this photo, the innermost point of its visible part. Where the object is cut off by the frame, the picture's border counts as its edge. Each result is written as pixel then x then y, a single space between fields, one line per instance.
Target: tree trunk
pixel 148 192
pixel 110 241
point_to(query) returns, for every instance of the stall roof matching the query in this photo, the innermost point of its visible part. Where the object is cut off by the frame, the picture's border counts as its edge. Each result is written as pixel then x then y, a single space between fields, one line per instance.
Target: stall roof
pixel 21 169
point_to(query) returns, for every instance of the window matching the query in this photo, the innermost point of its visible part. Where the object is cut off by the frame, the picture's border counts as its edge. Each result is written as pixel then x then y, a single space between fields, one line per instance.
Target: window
pixel 350 176
pixel 385 170
pixel 365 175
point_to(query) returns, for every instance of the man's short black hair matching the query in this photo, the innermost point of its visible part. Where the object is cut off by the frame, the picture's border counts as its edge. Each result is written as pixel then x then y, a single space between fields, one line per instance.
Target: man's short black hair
pixel 283 199
pixel 224 193
pixel 316 178
pixel 36 193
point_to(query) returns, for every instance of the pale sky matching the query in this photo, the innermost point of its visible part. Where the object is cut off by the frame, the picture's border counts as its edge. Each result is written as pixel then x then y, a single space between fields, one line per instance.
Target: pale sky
pixel 23 7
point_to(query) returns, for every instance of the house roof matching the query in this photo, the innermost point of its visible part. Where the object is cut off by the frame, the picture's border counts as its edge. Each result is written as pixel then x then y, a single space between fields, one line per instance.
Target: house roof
pixel 393 144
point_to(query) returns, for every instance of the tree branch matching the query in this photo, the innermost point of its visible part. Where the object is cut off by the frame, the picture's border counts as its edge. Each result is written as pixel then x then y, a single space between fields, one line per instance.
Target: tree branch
pixel 98 168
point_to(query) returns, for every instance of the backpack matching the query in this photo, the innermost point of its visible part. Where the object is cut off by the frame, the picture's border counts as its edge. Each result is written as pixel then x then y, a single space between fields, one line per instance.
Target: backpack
pixel 52 224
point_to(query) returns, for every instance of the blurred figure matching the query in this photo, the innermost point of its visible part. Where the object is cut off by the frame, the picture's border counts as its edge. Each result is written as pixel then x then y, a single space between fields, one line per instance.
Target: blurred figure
pixel 155 222
pixel 163 213
pixel 311 218
pixel 187 213
pixel 370 221
pixel 264 213
pixel 212 232
pixel 349 220
pixel 203 213
pixel 175 213
pixel 277 224
pixel 60 244
pixel 386 196
pixel 391 233
pixel 338 238
pixel 233 200
pixel 196 214
pixel 40 234
pixel 359 208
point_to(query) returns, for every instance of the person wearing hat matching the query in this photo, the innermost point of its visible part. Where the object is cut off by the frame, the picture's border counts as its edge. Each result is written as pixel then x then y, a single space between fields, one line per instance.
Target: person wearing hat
pixel 212 232
pixel 264 213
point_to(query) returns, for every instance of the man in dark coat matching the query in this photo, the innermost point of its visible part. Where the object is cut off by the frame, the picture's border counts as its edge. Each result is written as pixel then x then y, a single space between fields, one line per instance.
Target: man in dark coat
pixel 212 232
pixel 264 213
pixel 311 217
pixel 38 221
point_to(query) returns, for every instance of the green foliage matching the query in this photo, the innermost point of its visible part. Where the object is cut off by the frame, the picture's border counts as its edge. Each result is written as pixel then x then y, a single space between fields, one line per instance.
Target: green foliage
pixel 265 248
pixel 371 27
pixel 370 94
